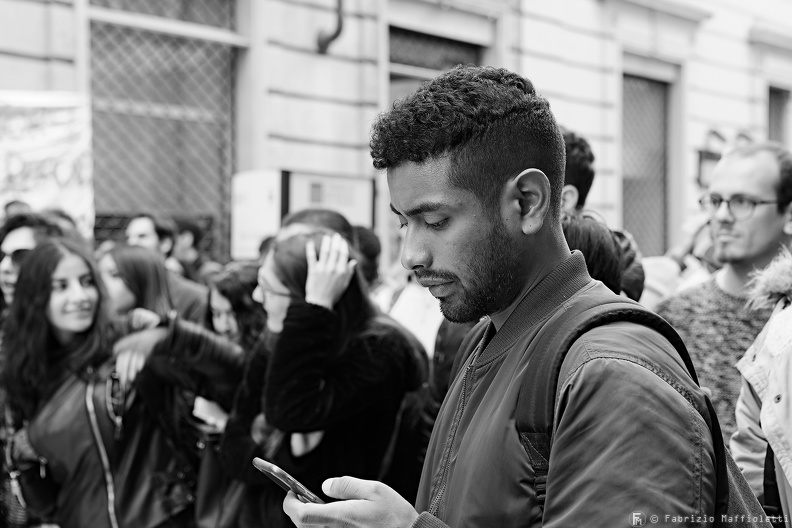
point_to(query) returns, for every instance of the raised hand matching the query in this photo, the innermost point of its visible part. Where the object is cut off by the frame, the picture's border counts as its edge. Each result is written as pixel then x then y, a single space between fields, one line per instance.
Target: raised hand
pixel 329 273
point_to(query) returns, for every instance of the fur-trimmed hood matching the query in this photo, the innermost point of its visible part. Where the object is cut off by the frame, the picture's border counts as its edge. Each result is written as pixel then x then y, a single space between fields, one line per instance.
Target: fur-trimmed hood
pixel 773 283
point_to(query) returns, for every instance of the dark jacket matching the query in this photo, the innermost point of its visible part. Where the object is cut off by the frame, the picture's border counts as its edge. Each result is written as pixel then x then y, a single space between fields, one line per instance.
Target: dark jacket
pixel 305 384
pixel 135 462
pixel 624 439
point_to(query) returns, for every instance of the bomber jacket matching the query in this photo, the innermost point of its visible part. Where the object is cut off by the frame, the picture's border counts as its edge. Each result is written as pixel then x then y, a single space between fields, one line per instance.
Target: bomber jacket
pixel 625 441
pixel 104 459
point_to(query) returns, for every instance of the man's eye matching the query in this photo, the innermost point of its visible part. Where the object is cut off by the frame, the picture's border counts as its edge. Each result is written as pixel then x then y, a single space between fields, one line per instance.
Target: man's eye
pixel 741 201
pixel 437 225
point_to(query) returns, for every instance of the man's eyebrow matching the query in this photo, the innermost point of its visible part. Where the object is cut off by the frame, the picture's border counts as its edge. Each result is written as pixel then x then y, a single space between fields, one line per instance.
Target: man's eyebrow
pixel 426 207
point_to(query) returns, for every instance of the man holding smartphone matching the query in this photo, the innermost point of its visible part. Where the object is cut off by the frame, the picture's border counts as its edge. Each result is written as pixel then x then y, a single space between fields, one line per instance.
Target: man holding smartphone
pixel 475 166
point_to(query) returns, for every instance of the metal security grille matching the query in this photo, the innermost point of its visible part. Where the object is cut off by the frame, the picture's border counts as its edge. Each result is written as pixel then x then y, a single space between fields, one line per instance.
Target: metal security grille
pixel 218 13
pixel 428 51
pixel 644 159
pixel 162 129
pixel 777 106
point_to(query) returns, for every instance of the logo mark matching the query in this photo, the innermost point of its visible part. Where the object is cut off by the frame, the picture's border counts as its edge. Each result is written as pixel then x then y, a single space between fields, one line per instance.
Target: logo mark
pixel 637 519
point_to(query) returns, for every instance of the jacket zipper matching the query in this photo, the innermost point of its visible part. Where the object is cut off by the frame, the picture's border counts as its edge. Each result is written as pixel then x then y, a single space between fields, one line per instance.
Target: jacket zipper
pixel 435 504
pixel 108 476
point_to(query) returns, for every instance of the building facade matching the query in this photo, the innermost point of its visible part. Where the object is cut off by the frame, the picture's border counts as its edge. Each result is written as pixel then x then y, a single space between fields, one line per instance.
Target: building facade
pixel 234 112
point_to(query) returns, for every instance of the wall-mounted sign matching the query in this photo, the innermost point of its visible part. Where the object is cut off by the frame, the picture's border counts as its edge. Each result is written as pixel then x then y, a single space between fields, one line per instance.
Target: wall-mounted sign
pixel 255 211
pixel 352 197
pixel 45 153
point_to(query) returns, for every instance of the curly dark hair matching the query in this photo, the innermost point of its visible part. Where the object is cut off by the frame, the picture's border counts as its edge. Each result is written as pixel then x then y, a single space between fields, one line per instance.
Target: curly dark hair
pixel 489 122
pixel 579 161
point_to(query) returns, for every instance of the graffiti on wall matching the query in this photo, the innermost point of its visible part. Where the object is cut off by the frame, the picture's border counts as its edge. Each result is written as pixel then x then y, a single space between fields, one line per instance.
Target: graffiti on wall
pixel 45 153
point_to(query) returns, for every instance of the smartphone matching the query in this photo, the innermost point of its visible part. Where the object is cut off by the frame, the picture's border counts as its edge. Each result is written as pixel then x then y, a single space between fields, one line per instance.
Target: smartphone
pixel 286 481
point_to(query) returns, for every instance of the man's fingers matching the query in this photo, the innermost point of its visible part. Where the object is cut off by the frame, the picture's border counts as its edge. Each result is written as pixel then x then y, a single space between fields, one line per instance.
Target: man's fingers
pixel 303 514
pixel 347 488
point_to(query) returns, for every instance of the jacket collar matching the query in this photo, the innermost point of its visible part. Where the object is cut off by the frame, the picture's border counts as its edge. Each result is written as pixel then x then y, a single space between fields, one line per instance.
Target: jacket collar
pixel 540 303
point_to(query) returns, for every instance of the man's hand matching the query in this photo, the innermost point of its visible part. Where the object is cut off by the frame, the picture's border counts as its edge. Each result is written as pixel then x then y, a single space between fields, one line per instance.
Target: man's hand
pixel 366 503
pixel 329 273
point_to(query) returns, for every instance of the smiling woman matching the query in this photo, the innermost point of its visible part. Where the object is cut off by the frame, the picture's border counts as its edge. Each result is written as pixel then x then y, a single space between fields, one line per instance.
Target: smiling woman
pixel 73 300
pixel 92 451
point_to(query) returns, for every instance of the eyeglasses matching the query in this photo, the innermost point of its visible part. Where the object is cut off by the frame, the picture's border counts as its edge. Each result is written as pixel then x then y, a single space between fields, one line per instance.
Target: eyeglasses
pixel 740 207
pixel 17 257
pixel 267 291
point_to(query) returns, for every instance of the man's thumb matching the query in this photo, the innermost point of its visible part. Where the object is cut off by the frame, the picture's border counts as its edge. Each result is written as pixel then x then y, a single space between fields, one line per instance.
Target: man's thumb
pixel 346 488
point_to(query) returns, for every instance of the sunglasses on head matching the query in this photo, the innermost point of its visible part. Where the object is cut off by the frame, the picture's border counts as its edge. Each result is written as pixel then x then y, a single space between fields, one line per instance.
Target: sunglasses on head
pixel 17 257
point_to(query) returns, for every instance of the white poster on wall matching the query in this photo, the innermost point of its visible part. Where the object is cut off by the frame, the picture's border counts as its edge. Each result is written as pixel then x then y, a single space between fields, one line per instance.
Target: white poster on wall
pixel 45 153
pixel 352 197
pixel 255 211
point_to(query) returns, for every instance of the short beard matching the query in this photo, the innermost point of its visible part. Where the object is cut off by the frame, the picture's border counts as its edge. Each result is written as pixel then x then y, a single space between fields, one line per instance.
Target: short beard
pixel 494 284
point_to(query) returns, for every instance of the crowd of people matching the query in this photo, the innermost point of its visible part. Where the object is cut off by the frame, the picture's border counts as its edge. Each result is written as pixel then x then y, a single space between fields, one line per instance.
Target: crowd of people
pixel 140 378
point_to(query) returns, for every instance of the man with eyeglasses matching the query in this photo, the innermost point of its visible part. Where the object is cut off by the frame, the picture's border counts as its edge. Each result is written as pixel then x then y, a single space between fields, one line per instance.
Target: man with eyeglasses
pixel 748 204
pixel 19 235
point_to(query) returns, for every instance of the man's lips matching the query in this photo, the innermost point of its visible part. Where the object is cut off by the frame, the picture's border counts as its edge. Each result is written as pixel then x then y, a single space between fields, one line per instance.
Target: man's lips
pixel 428 283
pixel 438 288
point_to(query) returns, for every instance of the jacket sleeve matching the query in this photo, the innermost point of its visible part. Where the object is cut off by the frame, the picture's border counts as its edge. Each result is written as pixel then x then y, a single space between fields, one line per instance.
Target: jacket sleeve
pixel 626 441
pixel 748 444
pixel 237 447
pixel 311 384
pixel 211 364
pixel 427 520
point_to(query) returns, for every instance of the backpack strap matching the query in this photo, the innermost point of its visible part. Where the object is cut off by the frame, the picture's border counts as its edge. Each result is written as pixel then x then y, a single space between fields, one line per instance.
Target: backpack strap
pixel 772 498
pixel 535 410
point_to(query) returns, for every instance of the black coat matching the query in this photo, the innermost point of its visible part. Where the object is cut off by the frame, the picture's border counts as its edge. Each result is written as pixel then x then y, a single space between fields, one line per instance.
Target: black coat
pixel 305 383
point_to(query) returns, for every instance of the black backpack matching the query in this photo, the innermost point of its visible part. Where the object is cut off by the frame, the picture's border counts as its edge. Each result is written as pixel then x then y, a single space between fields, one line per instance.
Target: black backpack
pixel 735 503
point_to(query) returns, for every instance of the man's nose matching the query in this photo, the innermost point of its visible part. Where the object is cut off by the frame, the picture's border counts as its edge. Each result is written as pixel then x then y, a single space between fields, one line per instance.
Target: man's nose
pixel 723 212
pixel 415 253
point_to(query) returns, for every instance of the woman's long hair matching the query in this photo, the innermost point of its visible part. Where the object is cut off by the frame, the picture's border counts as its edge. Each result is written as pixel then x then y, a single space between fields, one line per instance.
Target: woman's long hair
pixel 33 357
pixel 144 273
pixel 354 309
pixel 236 283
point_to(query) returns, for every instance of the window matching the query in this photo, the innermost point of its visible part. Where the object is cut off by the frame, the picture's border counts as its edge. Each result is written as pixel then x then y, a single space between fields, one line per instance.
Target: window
pixel 163 119
pixel 644 162
pixel 777 102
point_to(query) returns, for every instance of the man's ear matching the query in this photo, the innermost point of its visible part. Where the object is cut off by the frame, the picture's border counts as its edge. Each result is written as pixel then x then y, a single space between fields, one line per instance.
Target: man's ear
pixel 569 198
pixel 530 192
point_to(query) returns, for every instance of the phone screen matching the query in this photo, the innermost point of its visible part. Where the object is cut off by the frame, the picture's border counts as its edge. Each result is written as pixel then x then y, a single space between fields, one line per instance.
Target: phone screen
pixel 286 481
